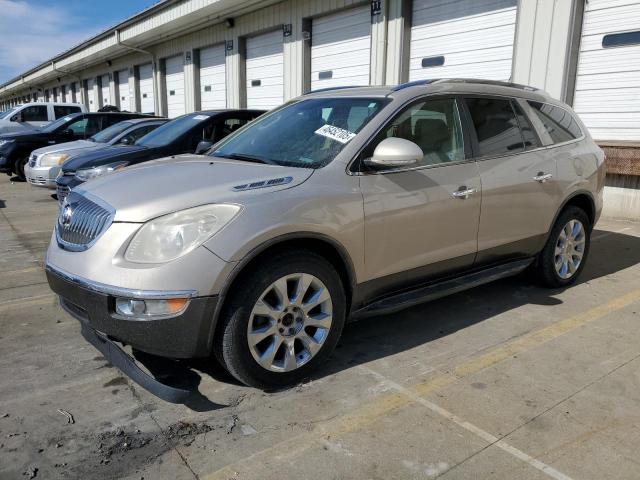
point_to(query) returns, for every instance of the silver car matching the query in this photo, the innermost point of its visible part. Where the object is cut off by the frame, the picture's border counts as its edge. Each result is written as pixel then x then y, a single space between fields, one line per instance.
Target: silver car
pixel 340 204
pixel 45 163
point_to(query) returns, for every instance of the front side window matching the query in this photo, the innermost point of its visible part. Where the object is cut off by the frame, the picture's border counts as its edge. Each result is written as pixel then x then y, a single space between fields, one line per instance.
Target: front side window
pixel 64 110
pixel 35 113
pixel 558 122
pixel 434 125
pixel 307 134
pixel 496 126
pixel 138 133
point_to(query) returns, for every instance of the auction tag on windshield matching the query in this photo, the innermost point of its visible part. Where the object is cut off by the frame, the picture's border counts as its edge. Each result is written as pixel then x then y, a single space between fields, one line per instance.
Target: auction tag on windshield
pixel 334 133
pixel 200 117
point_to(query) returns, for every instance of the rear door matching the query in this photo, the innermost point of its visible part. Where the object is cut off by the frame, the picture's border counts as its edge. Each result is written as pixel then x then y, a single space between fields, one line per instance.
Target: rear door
pixel 519 191
pixel 416 225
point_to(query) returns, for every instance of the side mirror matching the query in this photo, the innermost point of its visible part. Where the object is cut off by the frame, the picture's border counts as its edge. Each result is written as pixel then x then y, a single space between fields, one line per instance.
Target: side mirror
pixel 17 117
pixel 395 152
pixel 203 146
pixel 126 141
pixel 68 132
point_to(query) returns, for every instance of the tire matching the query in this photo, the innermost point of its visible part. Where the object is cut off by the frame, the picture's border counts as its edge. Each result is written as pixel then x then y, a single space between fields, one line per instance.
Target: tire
pixel 18 168
pixel 556 265
pixel 291 325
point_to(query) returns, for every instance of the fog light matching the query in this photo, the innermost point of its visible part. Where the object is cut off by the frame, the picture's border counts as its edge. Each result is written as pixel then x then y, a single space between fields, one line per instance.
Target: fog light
pixel 129 307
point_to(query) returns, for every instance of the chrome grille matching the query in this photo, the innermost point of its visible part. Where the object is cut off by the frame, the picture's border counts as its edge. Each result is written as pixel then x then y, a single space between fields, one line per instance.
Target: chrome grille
pixel 81 222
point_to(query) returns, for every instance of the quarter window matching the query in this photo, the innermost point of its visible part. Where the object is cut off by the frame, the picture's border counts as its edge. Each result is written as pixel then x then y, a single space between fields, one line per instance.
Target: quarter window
pixel 35 113
pixel 528 133
pixel 558 122
pixel 433 125
pixel 496 126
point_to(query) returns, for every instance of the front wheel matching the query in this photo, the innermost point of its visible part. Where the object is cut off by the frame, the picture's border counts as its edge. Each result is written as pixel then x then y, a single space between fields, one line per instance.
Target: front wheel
pixel 565 254
pixel 284 319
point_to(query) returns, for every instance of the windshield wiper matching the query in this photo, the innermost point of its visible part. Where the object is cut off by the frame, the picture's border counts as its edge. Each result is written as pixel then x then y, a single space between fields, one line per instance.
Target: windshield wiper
pixel 248 158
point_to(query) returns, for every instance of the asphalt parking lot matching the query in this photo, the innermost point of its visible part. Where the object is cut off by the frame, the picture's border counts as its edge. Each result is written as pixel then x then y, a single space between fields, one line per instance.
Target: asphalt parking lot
pixel 504 381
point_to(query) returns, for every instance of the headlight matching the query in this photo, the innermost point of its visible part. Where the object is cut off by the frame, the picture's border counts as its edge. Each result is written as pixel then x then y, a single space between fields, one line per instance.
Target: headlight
pixel 53 159
pixel 4 142
pixel 172 236
pixel 89 173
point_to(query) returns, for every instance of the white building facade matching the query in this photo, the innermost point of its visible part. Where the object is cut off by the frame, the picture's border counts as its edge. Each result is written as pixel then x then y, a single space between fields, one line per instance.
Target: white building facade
pixel 181 56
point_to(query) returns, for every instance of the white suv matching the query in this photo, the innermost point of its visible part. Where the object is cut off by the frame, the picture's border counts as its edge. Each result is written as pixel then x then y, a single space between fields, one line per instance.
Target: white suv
pixel 36 115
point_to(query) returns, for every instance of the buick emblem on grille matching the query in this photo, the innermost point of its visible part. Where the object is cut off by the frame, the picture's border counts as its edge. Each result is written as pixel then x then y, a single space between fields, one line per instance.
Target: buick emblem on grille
pixel 65 216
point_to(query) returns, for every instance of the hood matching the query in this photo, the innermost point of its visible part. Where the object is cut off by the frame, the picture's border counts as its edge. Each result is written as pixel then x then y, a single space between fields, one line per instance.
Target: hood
pixel 7 126
pixel 23 134
pixel 159 187
pixel 101 156
pixel 66 147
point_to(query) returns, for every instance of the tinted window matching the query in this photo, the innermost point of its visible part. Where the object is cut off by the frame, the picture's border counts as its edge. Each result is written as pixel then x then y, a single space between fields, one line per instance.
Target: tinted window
pixel 171 131
pixel 137 133
pixel 433 125
pixel 110 133
pixel 108 120
pixel 35 113
pixel 528 133
pixel 93 126
pixel 558 122
pixel 63 110
pixel 307 133
pixel 496 126
pixel 230 125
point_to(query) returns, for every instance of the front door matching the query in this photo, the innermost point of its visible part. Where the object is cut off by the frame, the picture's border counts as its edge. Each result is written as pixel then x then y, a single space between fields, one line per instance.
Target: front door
pixel 417 225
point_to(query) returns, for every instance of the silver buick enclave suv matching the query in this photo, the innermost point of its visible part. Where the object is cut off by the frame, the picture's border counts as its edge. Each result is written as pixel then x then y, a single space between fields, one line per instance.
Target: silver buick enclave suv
pixel 339 204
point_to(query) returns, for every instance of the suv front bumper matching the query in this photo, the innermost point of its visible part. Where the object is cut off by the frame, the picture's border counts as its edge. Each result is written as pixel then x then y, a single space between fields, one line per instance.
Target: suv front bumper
pixel 186 335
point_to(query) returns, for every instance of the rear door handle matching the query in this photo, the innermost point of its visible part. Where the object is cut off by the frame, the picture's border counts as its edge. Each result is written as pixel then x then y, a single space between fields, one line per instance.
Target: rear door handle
pixel 543 177
pixel 463 193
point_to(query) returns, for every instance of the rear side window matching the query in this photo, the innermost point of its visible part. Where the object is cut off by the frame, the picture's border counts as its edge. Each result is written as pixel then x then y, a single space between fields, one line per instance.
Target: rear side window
pixel 63 110
pixel 35 113
pixel 496 126
pixel 558 122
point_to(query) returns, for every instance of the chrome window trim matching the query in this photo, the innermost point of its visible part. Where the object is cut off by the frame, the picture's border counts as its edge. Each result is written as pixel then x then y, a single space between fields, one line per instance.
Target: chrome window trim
pixel 119 291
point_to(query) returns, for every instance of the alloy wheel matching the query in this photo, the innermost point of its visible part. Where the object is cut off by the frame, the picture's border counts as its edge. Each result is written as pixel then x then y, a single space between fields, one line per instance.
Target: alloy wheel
pixel 569 249
pixel 290 322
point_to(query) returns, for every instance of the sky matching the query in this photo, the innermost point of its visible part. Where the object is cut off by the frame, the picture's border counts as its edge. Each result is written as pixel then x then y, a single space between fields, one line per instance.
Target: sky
pixel 32 31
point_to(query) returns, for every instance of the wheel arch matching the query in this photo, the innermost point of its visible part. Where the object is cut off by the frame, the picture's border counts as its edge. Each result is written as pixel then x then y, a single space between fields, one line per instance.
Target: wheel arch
pixel 326 246
pixel 582 199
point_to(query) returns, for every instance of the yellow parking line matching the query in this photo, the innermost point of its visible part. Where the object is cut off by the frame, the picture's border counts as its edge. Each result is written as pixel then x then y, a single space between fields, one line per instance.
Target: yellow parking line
pixel 26 302
pixel 385 404
pixel 23 270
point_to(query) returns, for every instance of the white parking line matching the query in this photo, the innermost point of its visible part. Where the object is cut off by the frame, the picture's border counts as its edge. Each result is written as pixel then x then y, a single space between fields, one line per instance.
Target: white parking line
pixel 486 436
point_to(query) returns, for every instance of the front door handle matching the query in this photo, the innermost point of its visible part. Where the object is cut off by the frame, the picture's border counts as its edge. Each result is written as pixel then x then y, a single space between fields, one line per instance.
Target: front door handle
pixel 543 177
pixel 463 193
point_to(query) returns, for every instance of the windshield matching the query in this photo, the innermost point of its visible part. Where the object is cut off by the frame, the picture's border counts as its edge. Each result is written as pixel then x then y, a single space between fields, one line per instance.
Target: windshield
pixel 58 123
pixel 308 133
pixel 171 131
pixel 7 113
pixel 111 132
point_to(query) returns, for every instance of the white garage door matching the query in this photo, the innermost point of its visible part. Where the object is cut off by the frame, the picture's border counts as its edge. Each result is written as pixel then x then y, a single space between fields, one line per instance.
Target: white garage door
pixel 213 92
pixel 104 90
pixel 147 103
pixel 265 70
pixel 60 96
pixel 174 86
pixel 607 93
pixel 91 95
pixel 462 39
pixel 68 93
pixel 341 49
pixel 124 92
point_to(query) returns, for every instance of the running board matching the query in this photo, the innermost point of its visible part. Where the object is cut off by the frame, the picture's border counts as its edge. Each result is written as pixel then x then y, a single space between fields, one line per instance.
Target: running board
pixel 434 291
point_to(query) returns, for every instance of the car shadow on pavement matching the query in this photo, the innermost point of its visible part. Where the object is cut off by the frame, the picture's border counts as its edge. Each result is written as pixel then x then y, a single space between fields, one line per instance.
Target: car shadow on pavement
pixel 377 337
pixel 3 204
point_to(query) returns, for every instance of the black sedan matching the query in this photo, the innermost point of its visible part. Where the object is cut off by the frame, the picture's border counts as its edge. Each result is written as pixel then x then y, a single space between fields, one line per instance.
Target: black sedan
pixel 15 148
pixel 193 132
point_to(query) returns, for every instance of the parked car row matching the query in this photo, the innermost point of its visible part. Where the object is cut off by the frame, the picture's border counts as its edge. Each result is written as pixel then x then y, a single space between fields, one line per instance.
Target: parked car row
pixel 339 204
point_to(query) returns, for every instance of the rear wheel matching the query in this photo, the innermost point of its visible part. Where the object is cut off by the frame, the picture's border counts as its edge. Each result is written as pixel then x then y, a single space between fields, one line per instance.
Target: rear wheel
pixel 283 321
pixel 565 254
